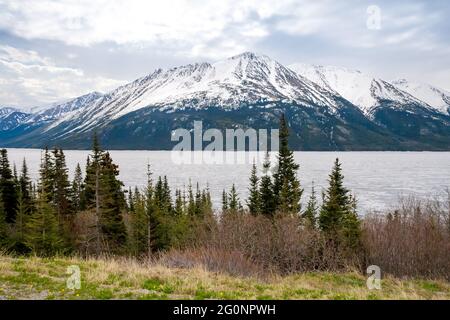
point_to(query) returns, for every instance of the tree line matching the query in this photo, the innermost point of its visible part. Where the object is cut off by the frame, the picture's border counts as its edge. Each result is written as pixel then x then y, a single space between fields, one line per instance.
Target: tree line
pixel 93 214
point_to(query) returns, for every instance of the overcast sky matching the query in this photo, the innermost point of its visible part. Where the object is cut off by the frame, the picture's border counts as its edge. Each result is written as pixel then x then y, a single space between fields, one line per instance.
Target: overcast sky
pixel 54 50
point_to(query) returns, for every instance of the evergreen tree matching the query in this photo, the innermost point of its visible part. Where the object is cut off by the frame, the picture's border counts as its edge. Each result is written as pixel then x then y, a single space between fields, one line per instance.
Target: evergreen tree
pixel 93 171
pixel 286 186
pixel 311 212
pixel 233 200
pixel 15 175
pixel 61 186
pixel 103 193
pixel 139 221
pixel 266 197
pixel 179 207
pixel 338 216
pixel 25 207
pixel 112 202
pixel 150 210
pixel 130 200
pixel 3 225
pixel 8 189
pixel 224 201
pixel 253 201
pixel 77 189
pixel 25 184
pixel 42 235
pixel 191 201
pixel 167 198
pixel 207 208
pixel 198 201
pixel 46 173
pixel 351 226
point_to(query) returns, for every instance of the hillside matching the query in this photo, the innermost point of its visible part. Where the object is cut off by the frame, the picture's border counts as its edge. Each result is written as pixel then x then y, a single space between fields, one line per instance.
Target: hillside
pixel 37 278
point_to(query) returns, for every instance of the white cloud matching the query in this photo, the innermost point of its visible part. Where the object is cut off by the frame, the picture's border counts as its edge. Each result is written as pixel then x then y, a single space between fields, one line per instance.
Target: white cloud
pixel 199 24
pixel 89 22
pixel 26 77
pixel 189 30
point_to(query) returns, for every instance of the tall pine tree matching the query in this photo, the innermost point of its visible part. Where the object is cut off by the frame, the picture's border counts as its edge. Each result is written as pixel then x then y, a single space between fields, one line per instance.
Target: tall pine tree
pixel 42 236
pixel 3 226
pixel 267 201
pixel 253 201
pixel 286 186
pixel 112 204
pixel 8 188
pixel 311 212
pixel 338 217
pixel 25 207
pixel 77 190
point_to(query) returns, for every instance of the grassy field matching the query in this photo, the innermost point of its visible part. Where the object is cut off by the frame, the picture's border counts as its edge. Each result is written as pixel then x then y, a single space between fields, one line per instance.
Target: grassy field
pixel 37 278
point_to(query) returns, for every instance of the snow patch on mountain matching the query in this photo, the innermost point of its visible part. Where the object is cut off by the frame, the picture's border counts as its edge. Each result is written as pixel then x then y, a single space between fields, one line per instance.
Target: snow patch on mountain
pixel 435 97
pixel 60 110
pixel 361 89
pixel 11 117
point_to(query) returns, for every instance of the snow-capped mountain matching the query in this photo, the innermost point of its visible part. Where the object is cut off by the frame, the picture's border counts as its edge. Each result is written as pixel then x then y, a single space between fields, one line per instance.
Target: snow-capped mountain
pixel 242 79
pixel 59 110
pixel 433 96
pixel 5 111
pixel 11 117
pixel 363 90
pixel 328 108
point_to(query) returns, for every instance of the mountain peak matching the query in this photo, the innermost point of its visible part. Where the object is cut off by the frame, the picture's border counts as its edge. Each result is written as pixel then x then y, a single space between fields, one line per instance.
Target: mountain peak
pixel 245 55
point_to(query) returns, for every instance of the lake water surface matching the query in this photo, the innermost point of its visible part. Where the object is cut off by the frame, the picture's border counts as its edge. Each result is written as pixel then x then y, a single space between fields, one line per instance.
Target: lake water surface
pixel 377 179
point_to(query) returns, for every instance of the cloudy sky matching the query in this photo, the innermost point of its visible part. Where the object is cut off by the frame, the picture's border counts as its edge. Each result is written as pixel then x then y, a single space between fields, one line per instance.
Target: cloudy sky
pixel 54 50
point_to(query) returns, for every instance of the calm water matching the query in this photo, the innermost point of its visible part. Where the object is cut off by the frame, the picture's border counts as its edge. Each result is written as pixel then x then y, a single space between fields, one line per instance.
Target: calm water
pixel 378 179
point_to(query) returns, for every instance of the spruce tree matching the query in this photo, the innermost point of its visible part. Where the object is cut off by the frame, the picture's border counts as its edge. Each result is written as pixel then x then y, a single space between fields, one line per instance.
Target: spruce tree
pixel 46 173
pixel 8 188
pixel 112 203
pixel 139 222
pixel 266 196
pixel 77 190
pixel 286 186
pixel 233 200
pixel 207 208
pixel 42 235
pixel 198 201
pixel 150 209
pixel 253 201
pixel 351 226
pixel 311 212
pixel 61 186
pixel 179 206
pixel 224 201
pixel 3 225
pixel 25 185
pixel 130 201
pixel 191 201
pixel 167 197
pixel 104 195
pixel 93 171
pixel 338 217
pixel 23 214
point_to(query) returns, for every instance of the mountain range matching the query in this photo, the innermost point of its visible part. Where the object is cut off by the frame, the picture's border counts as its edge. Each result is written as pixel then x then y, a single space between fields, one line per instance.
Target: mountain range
pixel 328 108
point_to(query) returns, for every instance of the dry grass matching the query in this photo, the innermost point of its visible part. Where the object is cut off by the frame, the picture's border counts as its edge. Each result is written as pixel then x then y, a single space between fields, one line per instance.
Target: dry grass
pixel 38 278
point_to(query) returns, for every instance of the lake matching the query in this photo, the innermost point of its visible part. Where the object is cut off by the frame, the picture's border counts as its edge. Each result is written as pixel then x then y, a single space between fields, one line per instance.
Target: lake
pixel 378 179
